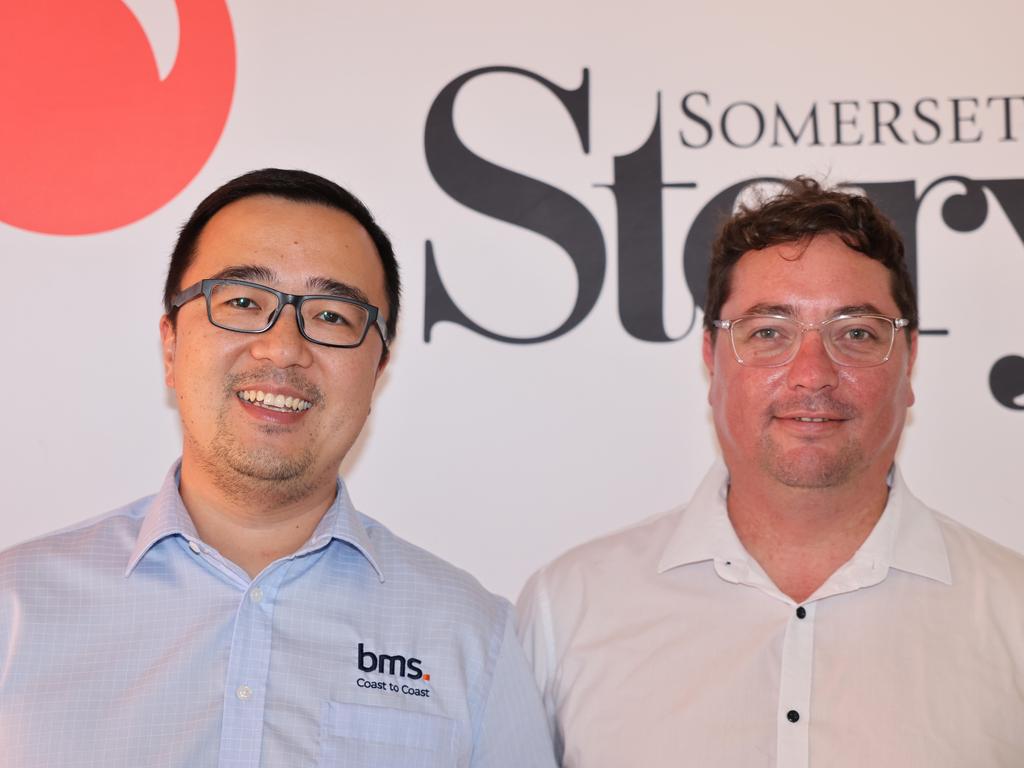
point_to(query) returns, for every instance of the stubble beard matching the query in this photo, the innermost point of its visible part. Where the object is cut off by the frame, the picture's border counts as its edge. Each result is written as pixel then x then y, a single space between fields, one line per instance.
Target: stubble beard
pixel 810 467
pixel 257 473
pixel 263 472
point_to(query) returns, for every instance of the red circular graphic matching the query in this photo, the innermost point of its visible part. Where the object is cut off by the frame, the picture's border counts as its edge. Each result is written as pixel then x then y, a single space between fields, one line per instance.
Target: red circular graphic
pixel 91 139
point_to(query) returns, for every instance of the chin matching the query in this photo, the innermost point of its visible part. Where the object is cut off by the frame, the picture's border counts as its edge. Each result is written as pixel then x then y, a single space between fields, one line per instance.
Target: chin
pixel 265 464
pixel 812 468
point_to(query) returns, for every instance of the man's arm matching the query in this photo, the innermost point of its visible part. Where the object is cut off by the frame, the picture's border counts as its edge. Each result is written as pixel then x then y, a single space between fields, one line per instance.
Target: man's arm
pixel 513 733
pixel 536 635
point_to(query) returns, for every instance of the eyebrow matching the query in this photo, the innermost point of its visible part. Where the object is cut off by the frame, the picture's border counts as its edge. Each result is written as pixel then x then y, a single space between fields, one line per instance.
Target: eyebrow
pixel 317 285
pixel 330 287
pixel 251 272
pixel 788 310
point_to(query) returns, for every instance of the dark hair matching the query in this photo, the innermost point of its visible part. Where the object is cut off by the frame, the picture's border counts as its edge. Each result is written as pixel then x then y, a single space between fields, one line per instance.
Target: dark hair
pixel 804 209
pixel 301 187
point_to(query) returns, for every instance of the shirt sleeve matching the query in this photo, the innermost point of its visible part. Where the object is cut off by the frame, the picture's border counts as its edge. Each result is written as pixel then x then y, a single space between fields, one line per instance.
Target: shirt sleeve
pixel 513 733
pixel 536 635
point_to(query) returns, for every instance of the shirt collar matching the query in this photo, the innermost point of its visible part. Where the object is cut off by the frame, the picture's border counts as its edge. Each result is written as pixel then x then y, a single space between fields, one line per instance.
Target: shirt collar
pixel 704 531
pixel 907 536
pixel 167 516
pixel 343 522
pixel 916 544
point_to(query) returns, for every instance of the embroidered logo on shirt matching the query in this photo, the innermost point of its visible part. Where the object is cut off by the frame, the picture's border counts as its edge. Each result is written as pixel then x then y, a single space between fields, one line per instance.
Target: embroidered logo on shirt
pixel 394 665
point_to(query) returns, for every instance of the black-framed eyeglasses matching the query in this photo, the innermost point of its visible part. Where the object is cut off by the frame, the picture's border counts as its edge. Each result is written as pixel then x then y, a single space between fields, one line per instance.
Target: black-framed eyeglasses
pixel 245 307
pixel 858 341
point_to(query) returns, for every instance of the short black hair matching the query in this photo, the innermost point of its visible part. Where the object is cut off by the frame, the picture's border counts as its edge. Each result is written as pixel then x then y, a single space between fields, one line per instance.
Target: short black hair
pixel 296 185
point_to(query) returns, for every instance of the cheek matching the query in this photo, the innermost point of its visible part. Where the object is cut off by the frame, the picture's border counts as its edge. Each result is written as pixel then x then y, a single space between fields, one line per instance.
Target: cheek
pixel 201 364
pixel 352 384
pixel 883 398
pixel 741 398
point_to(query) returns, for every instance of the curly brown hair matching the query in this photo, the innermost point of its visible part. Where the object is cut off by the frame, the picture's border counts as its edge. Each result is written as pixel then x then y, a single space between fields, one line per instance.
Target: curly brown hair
pixel 805 209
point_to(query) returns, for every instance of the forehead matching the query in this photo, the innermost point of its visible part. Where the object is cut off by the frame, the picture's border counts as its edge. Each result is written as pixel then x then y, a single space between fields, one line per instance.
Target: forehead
pixel 818 278
pixel 296 241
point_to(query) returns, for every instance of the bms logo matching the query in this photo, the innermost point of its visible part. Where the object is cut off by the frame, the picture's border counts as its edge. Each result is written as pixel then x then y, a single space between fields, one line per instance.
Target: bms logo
pixel 93 137
pixel 391 665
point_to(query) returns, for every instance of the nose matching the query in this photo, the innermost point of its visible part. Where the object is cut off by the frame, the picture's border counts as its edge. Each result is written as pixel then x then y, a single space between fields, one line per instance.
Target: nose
pixel 282 345
pixel 812 368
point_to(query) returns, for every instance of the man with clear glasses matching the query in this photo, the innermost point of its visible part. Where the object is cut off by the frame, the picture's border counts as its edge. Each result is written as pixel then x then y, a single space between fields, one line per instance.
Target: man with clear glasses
pixel 771 340
pixel 248 614
pixel 804 609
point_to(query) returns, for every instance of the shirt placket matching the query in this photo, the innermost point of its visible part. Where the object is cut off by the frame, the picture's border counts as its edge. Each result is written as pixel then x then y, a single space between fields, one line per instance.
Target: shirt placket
pixel 794 708
pixel 245 687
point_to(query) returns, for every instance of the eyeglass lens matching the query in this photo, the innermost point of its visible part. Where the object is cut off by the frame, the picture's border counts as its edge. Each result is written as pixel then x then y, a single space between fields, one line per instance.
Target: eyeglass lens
pixel 248 308
pixel 857 341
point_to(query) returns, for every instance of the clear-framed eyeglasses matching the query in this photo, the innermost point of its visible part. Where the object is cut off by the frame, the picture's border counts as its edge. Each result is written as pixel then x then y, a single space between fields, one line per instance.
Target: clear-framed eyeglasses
pixel 859 341
pixel 245 307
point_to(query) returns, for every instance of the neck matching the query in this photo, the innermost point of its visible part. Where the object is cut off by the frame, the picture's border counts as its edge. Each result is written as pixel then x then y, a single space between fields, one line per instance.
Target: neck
pixel 801 536
pixel 252 522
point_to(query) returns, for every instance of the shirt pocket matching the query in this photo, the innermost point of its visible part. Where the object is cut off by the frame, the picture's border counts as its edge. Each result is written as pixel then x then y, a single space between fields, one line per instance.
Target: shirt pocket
pixel 363 736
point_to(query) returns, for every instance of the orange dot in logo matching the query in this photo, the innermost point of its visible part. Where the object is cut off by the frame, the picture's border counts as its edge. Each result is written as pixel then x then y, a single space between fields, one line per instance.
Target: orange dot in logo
pixel 426 677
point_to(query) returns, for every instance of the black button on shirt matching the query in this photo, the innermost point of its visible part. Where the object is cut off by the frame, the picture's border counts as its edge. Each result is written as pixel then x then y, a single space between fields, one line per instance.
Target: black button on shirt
pixel 792 715
pixel 800 612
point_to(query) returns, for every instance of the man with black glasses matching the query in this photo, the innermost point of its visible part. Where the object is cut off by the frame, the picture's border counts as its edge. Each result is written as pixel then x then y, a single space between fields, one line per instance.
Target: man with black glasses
pixel 804 609
pixel 247 614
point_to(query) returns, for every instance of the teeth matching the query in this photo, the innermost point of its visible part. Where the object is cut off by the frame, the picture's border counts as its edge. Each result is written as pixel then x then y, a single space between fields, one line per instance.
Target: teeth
pixel 275 402
pixel 805 418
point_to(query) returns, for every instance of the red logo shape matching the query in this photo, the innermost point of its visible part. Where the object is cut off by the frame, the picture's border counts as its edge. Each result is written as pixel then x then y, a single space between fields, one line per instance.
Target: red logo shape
pixel 90 138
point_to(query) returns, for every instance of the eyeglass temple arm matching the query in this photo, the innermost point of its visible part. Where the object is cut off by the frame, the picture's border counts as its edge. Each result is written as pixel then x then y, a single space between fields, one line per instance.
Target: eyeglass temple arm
pixel 187 295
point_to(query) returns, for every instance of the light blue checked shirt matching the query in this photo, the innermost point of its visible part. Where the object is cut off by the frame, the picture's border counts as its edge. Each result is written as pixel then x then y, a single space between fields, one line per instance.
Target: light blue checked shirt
pixel 127 641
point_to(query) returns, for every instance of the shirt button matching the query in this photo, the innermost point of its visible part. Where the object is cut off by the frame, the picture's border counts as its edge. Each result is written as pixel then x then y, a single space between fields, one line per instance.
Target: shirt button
pixel 255 594
pixel 194 547
pixel 800 612
pixel 792 715
pixel 243 692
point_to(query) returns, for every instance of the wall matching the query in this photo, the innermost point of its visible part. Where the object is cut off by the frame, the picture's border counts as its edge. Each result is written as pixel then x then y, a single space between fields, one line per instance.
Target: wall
pixel 549 173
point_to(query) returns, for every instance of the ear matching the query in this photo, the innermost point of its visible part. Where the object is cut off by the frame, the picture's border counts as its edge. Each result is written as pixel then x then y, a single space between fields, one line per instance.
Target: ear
pixel 168 342
pixel 911 359
pixel 385 358
pixel 708 351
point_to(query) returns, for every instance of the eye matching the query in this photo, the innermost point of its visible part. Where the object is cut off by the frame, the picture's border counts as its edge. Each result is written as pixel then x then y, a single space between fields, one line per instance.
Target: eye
pixel 242 302
pixel 761 332
pixel 331 318
pixel 860 334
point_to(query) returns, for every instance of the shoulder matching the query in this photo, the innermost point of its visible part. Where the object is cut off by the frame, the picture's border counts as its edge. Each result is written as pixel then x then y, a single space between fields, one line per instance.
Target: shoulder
pixel 418 577
pixel 607 576
pixel 104 540
pixel 611 558
pixel 443 610
pixel 49 579
pixel 976 557
pixel 612 567
pixel 574 606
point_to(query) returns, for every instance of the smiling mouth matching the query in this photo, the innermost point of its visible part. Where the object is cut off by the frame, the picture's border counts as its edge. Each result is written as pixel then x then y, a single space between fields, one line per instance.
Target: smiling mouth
pixel 272 402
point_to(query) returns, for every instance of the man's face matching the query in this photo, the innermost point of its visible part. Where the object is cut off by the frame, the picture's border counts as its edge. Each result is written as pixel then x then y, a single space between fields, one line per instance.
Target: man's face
pixel 297 248
pixel 757 411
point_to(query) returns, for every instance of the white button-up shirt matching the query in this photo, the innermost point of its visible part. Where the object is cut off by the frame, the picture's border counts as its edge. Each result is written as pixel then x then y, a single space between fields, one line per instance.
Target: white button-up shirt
pixel 666 644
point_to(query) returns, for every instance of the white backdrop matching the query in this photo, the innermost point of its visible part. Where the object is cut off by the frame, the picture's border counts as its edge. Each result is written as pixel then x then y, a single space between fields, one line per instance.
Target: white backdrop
pixel 499 456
